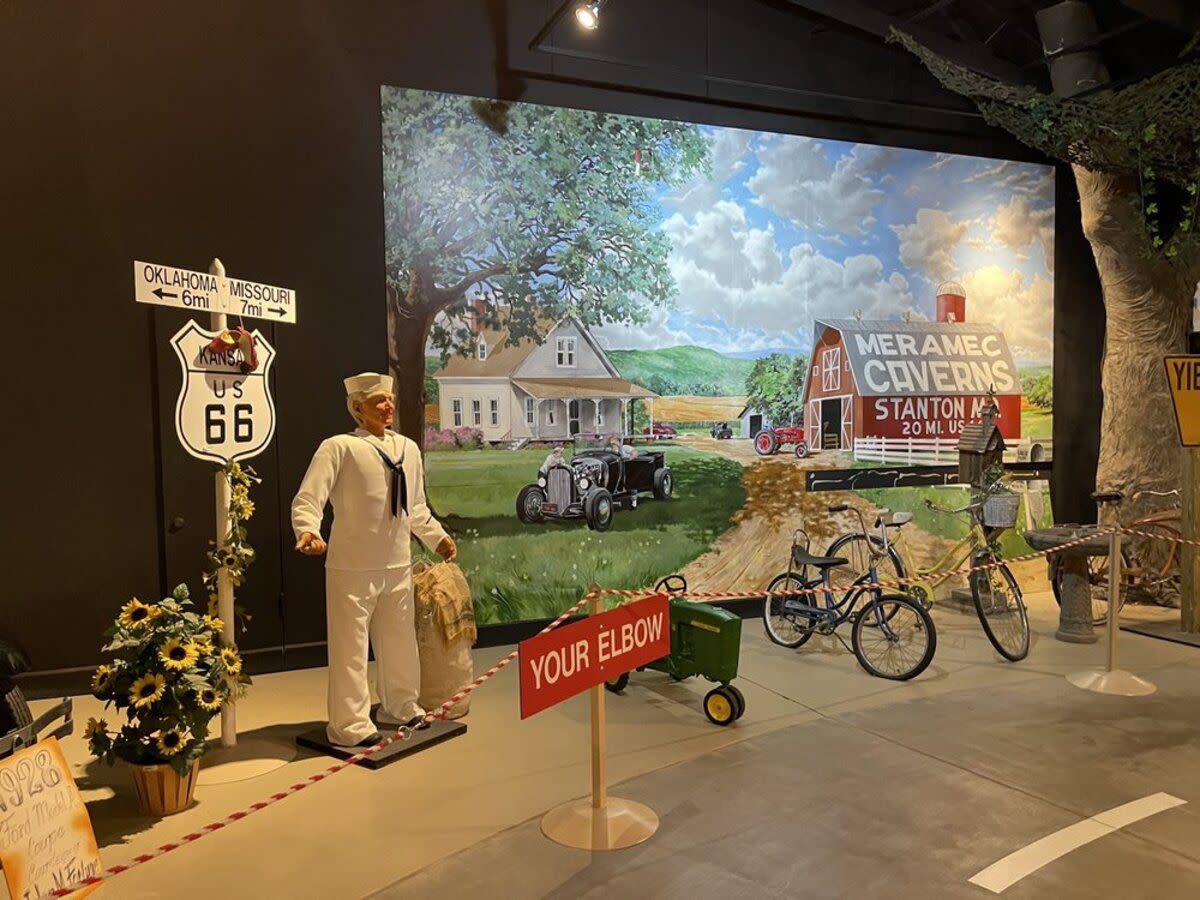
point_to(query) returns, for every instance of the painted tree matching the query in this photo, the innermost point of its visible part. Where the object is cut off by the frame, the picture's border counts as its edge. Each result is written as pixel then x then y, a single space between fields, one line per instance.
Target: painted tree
pixel 531 211
pixel 775 386
pixel 1135 153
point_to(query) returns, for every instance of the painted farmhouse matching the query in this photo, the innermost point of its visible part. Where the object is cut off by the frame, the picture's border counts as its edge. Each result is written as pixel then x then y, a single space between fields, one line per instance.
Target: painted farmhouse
pixel 549 391
pixel 899 380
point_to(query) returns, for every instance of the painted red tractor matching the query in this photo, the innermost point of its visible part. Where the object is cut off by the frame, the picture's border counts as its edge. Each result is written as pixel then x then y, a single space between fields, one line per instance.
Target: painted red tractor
pixel 769 440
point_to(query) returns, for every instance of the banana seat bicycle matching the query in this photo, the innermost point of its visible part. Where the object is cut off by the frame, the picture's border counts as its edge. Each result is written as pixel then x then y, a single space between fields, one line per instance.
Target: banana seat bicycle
pixel 892 636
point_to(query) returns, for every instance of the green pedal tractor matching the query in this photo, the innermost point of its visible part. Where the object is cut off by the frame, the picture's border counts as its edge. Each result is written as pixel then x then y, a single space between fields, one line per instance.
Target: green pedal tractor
pixel 705 640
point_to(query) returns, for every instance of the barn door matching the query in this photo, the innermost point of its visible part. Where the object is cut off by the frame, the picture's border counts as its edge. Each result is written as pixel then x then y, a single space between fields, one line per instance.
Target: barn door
pixel 812 424
pixel 848 423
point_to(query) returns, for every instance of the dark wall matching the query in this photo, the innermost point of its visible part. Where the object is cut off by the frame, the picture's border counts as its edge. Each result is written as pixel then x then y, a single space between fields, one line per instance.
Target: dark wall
pixel 175 132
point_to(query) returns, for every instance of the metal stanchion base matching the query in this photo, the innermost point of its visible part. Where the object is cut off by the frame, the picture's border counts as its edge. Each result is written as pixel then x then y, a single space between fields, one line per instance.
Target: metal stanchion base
pixel 616 825
pixel 250 758
pixel 1118 682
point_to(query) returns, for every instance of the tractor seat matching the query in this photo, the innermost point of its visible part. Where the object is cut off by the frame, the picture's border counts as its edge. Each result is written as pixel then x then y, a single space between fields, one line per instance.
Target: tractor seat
pixel 804 558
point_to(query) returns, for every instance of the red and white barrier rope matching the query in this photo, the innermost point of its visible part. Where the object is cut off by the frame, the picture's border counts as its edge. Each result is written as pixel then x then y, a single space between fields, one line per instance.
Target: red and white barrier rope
pixel 405 731
pixel 401 734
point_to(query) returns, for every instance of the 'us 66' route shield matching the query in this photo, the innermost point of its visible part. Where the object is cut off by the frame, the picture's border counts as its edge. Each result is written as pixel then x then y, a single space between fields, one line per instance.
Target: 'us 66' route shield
pixel 222 414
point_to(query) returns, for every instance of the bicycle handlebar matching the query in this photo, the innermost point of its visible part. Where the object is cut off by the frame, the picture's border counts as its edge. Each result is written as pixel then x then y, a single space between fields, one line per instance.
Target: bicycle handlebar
pixel 929 504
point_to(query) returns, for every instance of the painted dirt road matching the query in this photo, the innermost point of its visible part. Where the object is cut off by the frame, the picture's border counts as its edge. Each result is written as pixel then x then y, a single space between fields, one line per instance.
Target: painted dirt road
pixel 755 550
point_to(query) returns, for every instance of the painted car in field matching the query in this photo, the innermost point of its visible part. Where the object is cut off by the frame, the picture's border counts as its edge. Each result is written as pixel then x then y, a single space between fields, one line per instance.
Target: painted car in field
pixel 593 484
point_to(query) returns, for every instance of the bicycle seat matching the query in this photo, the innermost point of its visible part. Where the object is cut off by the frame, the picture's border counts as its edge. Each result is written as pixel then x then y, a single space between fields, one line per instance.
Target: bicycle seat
pixel 893 519
pixel 804 558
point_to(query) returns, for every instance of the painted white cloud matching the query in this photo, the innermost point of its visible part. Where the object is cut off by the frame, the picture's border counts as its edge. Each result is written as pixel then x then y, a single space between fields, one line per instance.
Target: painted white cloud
pixel 722 242
pixel 1017 225
pixel 928 244
pixel 796 181
pixel 1023 309
pixel 730 148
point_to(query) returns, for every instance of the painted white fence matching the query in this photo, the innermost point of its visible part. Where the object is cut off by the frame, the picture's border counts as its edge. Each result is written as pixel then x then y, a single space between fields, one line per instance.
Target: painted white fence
pixel 931 451
pixel 908 451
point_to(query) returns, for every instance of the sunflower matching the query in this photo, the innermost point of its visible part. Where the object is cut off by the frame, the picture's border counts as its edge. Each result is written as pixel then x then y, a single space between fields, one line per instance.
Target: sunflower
pixel 135 614
pixel 213 605
pixel 233 662
pixel 177 655
pixel 146 690
pixel 94 727
pixel 204 648
pixel 213 623
pixel 102 680
pixel 208 699
pixel 170 742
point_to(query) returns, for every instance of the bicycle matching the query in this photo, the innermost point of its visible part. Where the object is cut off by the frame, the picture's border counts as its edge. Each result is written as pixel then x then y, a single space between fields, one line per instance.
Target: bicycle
pixel 995 593
pixel 892 637
pixel 1140 576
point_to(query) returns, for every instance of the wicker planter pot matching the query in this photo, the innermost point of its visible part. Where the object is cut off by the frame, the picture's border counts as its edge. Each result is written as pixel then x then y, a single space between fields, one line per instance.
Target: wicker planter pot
pixel 161 791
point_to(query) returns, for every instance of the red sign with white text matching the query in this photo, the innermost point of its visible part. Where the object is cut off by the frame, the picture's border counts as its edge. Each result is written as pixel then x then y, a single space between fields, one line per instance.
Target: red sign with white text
pixel 573 658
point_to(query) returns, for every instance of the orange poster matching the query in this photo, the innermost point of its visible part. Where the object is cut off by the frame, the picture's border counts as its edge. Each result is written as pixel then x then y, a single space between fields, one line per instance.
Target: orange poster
pixel 46 838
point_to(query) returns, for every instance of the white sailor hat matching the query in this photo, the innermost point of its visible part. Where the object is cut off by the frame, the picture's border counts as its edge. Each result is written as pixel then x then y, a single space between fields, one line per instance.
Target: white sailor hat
pixel 368 384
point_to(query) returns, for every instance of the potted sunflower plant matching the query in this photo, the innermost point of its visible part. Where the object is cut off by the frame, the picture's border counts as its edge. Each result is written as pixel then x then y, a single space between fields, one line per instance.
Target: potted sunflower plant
pixel 168 677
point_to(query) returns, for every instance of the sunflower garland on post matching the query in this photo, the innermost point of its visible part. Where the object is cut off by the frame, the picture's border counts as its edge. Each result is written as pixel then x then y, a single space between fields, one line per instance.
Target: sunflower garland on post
pixel 169 674
pixel 235 554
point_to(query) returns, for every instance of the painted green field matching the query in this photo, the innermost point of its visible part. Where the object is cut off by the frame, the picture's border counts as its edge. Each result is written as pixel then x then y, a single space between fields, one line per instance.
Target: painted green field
pixel 1037 422
pixel 521 571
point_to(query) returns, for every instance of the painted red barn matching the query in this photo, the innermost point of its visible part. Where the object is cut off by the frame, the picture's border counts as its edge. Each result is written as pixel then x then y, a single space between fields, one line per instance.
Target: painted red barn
pixel 898 380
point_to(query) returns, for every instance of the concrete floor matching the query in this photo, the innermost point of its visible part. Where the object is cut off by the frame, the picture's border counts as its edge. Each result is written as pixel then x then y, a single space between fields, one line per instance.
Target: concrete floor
pixel 834 784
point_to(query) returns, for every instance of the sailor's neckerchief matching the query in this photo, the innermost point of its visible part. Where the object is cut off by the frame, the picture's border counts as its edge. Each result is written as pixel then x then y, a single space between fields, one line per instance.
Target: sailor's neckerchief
pixel 399 489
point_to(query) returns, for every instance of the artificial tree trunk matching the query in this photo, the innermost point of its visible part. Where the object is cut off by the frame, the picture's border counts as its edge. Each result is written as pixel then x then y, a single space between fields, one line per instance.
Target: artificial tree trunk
pixel 1148 301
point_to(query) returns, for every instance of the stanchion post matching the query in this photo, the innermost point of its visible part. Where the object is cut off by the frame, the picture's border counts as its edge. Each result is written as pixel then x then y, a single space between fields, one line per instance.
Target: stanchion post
pixel 599 733
pixel 219 323
pixel 1114 597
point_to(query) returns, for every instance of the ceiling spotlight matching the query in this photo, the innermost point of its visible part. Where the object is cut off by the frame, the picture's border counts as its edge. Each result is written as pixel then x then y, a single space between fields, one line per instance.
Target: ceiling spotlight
pixel 588 14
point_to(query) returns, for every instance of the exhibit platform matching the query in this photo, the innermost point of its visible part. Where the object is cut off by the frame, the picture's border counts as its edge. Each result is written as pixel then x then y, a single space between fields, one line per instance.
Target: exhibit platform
pixel 933 780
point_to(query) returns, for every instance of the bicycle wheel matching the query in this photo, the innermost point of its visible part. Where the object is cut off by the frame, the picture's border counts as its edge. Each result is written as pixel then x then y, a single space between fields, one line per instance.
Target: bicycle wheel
pixel 853 548
pixel 785 628
pixel 1001 607
pixel 894 638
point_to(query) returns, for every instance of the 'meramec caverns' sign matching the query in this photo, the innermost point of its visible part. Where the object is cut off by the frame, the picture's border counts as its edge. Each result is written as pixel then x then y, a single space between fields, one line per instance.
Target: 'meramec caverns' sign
pixel 876 379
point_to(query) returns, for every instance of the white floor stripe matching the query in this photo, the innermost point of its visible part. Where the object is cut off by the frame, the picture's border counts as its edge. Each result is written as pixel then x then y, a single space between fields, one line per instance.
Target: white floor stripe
pixel 1006 872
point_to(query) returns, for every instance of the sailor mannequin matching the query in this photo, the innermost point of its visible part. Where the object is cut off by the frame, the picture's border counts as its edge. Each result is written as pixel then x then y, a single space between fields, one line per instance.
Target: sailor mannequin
pixel 375 481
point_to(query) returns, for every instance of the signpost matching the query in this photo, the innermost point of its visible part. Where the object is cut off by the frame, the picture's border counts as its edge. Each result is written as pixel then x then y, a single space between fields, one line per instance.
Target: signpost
pixel 579 657
pixel 222 414
pixel 1183 377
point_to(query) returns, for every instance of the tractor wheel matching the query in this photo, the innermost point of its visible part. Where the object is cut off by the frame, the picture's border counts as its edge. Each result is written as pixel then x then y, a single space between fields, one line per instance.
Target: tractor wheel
pixel 801 449
pixel 766 442
pixel 617 684
pixel 741 701
pixel 598 510
pixel 720 706
pixel 663 484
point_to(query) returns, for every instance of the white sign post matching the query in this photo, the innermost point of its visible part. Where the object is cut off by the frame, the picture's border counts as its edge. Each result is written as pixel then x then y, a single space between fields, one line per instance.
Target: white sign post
pixel 222 414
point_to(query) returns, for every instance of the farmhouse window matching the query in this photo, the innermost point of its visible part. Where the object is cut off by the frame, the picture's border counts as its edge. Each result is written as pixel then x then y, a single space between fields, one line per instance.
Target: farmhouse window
pixel 495 412
pixel 831 376
pixel 530 408
pixel 476 417
pixel 550 414
pixel 482 349
pixel 458 414
pixel 566 353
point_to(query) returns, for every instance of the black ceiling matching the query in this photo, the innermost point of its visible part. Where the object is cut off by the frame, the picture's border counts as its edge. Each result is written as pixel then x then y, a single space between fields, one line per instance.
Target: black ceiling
pixel 1000 37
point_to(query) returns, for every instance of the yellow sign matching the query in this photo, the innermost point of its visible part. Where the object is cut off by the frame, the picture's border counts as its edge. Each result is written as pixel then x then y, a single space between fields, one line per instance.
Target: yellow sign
pixel 1183 375
pixel 46 838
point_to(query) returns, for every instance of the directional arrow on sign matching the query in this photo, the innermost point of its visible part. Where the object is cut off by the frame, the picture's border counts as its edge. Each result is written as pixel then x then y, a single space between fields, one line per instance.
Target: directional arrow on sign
pixel 212 293
pixel 278 310
pixel 160 293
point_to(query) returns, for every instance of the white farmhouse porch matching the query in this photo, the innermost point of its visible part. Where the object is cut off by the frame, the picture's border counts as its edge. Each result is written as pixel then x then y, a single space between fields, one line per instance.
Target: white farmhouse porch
pixel 560 408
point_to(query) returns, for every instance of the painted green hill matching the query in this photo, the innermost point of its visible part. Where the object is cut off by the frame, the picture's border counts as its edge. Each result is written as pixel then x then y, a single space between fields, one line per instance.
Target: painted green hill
pixel 683 370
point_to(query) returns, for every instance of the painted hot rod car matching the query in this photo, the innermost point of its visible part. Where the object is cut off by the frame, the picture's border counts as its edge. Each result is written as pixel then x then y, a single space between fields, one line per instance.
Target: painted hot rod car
pixel 593 485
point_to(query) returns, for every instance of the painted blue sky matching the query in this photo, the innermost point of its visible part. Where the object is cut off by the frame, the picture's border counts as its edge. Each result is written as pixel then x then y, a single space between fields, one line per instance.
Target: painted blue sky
pixel 789 229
